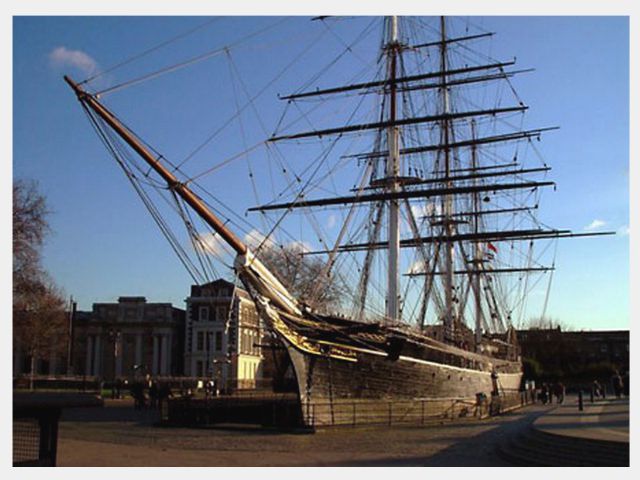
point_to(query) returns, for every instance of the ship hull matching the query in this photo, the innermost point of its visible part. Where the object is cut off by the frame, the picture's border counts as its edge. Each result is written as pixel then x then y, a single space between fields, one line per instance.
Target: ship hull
pixel 325 383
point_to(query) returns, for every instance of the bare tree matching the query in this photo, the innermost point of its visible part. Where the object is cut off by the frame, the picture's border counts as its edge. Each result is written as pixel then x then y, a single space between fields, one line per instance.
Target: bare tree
pixel 39 321
pixel 38 305
pixel 547 323
pixel 304 276
pixel 29 230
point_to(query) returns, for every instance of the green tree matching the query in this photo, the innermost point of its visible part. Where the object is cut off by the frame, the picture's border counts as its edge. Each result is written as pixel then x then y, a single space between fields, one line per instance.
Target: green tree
pixel 531 368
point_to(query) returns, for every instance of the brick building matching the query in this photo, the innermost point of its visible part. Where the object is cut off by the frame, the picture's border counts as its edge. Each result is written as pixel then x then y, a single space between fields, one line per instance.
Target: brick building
pixel 129 337
pixel 223 336
pixel 571 352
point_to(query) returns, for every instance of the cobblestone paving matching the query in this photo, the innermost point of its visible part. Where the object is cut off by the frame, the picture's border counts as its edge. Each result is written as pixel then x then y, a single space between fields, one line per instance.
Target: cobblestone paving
pixel 120 436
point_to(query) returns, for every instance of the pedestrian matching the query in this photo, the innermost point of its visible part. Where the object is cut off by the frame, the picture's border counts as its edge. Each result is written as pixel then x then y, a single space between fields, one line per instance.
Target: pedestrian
pixel 545 393
pixel 596 388
pixel 118 388
pixel 153 394
pixel 164 392
pixel 617 384
pixel 137 392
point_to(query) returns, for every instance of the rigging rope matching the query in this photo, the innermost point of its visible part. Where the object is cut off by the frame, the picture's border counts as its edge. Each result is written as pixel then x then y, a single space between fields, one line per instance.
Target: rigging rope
pixel 191 61
pixel 150 50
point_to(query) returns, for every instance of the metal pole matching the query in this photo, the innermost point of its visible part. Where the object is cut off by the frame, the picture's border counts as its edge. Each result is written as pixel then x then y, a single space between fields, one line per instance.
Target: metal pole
pixel 580 402
pixel 72 313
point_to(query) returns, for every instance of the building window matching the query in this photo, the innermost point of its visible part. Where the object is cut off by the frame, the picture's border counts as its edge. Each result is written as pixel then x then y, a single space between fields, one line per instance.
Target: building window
pixel 203 314
pixel 200 344
pixel 199 368
pixel 218 341
pixel 221 313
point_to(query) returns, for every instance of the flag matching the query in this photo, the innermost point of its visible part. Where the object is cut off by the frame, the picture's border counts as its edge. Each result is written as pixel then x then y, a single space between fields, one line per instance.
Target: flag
pixel 491 246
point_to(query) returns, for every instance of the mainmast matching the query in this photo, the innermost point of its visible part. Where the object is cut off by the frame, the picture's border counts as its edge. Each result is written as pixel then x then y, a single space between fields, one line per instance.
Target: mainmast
pixel 477 260
pixel 447 199
pixel 392 174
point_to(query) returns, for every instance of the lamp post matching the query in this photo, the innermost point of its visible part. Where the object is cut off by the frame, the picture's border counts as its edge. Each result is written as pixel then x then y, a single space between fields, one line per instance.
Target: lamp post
pixel 218 371
pixel 114 336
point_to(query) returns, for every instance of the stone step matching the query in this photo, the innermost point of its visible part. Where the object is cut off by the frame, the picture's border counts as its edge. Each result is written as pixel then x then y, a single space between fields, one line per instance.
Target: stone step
pixel 535 448
pixel 584 446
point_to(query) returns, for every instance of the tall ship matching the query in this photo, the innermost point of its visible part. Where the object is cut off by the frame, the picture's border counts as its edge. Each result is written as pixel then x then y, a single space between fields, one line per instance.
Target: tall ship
pixel 428 187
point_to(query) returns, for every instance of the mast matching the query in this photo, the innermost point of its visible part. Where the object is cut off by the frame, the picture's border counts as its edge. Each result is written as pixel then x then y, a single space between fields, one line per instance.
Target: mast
pixel 447 199
pixel 392 174
pixel 478 249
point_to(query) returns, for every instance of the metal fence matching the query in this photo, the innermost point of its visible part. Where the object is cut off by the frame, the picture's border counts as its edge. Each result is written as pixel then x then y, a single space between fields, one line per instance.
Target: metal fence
pixel 286 411
pixel 35 437
pixel 408 412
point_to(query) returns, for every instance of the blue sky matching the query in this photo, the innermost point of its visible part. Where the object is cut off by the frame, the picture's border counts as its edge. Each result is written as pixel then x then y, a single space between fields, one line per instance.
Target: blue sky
pixel 104 243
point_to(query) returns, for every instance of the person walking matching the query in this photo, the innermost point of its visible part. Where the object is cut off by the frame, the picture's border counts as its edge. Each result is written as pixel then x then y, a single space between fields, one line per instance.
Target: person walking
pixel 617 384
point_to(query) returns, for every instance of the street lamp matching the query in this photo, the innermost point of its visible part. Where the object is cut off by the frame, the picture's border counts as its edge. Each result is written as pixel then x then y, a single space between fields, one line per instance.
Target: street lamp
pixel 218 371
pixel 114 335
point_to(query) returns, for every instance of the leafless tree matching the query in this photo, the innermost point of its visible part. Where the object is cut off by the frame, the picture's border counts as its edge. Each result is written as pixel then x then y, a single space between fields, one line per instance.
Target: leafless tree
pixel 39 325
pixel 29 230
pixel 304 276
pixel 547 323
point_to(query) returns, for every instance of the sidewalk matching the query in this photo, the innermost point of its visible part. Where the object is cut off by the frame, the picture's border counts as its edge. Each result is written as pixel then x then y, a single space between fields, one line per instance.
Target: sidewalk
pixel 563 436
pixel 603 420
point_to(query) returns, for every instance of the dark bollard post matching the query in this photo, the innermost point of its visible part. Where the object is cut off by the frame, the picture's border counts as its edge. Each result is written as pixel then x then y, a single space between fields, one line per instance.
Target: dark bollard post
pixel 591 395
pixel 580 405
pixel 354 414
pixel 604 392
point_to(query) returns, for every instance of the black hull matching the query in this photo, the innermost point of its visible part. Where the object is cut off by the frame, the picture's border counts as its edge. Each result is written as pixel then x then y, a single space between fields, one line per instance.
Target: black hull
pixel 325 383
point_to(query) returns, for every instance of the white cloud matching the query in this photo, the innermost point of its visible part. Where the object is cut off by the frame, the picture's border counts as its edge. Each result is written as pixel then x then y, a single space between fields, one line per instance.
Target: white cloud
pixel 623 231
pixel 63 57
pixel 300 245
pixel 595 225
pixel 255 238
pixel 331 221
pixel 425 210
pixel 416 267
pixel 211 243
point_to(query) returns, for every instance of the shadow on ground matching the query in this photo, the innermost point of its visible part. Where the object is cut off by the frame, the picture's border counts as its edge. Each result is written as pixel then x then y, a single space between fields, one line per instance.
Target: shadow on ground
pixel 470 451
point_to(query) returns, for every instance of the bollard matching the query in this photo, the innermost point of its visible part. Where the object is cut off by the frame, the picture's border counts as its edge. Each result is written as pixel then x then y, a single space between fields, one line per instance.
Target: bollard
pixel 354 414
pixel 592 395
pixel 580 405
pixel 604 392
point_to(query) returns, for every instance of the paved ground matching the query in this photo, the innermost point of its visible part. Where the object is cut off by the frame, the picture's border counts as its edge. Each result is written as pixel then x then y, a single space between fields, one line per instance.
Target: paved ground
pixel 602 420
pixel 117 435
